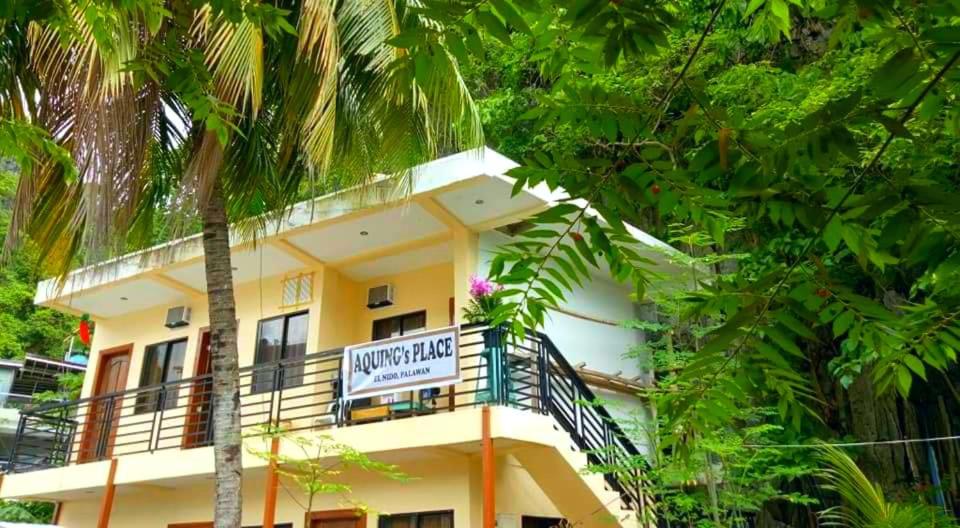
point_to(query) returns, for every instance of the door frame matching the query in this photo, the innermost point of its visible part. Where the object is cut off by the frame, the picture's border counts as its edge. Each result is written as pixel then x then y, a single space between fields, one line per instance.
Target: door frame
pixel 85 440
pixel 193 419
pixel 336 515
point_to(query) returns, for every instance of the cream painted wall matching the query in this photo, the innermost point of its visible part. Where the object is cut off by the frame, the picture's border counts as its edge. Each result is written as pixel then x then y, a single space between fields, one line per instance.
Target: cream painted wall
pixel 441 482
pixel 427 289
pixel 338 316
pixel 255 301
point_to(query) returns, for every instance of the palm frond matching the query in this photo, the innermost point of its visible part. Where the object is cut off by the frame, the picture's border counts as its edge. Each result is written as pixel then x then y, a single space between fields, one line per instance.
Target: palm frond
pixel 864 504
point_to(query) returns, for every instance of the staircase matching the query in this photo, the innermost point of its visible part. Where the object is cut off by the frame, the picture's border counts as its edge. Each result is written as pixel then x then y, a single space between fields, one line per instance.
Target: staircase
pixel 583 447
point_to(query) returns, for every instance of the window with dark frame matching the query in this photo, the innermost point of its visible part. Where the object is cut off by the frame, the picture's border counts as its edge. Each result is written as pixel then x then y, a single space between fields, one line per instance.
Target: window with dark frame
pixel 434 519
pixel 400 325
pixel 280 338
pixel 162 363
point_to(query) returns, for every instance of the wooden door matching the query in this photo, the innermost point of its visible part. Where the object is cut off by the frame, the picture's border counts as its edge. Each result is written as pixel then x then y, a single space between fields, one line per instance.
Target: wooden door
pixel 198 431
pixel 103 412
pixel 337 519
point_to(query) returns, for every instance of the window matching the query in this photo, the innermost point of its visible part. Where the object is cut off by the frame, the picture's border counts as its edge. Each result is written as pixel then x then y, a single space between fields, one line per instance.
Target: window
pixel 280 338
pixel 442 519
pixel 162 362
pixel 298 289
pixel 541 522
pixel 400 325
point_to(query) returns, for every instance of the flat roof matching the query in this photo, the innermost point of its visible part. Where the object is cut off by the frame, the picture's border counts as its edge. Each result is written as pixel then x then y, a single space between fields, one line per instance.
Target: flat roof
pixel 469 188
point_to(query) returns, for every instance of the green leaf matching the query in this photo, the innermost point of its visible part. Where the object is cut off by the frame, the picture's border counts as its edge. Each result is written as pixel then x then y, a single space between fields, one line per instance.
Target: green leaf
pixel 752 6
pixel 510 14
pixel 494 26
pixel 842 323
pixel 557 276
pixel 892 79
pixel 783 341
pixel 781 10
pixel 795 325
pixel 904 381
pixel 568 268
pixel 894 126
pixel 833 233
pixel 913 363
pixel 584 249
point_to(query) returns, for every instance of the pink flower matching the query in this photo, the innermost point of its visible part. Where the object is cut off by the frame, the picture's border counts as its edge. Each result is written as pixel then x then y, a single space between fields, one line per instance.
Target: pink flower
pixel 480 287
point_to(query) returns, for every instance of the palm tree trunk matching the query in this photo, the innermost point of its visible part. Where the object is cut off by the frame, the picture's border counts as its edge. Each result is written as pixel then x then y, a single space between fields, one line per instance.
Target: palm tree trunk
pixel 223 349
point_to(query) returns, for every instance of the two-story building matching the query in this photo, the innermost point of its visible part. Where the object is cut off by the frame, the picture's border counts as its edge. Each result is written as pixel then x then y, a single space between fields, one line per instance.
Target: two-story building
pixel 488 428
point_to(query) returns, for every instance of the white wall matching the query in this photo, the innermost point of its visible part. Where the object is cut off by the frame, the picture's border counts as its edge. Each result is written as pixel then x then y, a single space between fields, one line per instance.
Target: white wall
pixel 602 347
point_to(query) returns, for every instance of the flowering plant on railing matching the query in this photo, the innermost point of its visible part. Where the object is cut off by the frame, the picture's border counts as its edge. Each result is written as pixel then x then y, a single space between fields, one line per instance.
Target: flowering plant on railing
pixel 484 299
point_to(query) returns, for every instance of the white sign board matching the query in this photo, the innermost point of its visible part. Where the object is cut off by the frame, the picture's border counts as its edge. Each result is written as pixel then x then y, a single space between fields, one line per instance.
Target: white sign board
pixel 418 361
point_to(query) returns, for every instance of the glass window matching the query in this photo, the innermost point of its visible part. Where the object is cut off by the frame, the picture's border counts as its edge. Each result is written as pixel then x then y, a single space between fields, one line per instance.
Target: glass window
pixel 443 519
pixel 399 325
pixel 280 338
pixel 162 363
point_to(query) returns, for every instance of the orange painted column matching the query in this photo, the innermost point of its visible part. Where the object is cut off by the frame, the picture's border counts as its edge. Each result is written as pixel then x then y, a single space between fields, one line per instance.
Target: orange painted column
pixel 57 510
pixel 270 501
pixel 106 504
pixel 489 473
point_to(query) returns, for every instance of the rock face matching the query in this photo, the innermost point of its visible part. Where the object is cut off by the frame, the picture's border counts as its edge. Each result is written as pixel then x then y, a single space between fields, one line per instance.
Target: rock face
pixel 8 165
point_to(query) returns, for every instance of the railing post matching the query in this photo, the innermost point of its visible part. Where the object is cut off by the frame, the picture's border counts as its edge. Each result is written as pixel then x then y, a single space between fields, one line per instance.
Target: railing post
pixel 502 365
pixel 106 424
pixel 280 383
pixel 607 447
pixel 542 365
pixel 158 419
pixel 21 424
pixel 338 394
pixel 70 439
pixel 577 414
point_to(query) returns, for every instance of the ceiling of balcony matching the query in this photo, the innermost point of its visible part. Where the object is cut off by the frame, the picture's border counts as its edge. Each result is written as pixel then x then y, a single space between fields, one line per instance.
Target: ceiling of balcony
pixel 362 240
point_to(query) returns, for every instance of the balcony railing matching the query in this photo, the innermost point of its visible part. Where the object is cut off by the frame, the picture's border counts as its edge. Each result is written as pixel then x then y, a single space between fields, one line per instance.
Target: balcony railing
pixel 303 395
pixel 11 400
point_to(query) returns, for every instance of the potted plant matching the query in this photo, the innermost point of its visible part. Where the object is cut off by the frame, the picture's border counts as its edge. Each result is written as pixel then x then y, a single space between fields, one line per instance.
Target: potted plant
pixel 484 300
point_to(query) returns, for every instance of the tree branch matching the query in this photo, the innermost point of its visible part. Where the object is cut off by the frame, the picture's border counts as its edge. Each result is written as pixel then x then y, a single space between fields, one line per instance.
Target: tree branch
pixel 819 233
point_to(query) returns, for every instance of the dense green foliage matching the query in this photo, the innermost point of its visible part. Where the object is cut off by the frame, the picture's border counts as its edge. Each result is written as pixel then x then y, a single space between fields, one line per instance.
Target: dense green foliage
pixel 826 162
pixel 811 146
pixel 24 327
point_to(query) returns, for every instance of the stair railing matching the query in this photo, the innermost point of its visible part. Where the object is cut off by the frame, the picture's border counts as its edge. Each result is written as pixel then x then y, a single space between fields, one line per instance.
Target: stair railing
pixel 563 394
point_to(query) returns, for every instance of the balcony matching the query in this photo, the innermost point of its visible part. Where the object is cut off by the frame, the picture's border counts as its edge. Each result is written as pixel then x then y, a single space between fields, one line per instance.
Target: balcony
pixel 304 396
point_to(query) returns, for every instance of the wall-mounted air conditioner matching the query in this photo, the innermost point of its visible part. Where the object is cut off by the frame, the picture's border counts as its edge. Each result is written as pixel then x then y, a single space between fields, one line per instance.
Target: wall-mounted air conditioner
pixel 380 296
pixel 178 316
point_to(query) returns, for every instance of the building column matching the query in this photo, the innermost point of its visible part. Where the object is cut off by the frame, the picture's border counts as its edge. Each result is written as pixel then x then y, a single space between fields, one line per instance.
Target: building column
pixel 270 499
pixel 489 474
pixel 106 504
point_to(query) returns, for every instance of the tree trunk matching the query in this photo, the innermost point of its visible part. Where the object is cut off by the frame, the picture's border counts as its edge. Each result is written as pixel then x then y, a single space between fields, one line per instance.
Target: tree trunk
pixel 223 350
pixel 868 423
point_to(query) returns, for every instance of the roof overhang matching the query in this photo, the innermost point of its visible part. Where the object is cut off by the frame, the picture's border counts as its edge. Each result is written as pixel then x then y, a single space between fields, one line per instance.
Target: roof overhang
pixel 388 227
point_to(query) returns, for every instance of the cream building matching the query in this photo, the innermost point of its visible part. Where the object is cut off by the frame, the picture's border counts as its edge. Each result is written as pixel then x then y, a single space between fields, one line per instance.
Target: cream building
pixel 506 442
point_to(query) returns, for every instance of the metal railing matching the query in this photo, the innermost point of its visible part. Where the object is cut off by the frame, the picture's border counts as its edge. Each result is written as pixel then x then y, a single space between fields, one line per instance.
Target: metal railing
pixel 12 400
pixel 303 394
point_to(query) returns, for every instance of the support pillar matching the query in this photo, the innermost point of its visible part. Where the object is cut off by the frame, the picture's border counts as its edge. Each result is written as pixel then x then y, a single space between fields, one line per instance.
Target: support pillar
pixel 106 504
pixel 489 473
pixel 270 500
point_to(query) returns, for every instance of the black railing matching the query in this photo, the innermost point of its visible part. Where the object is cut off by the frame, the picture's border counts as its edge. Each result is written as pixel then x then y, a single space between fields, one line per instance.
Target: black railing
pixel 303 394
pixel 578 410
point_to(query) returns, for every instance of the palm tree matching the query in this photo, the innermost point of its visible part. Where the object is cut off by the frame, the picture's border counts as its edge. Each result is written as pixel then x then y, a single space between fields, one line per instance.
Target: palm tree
pixel 864 505
pixel 220 114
